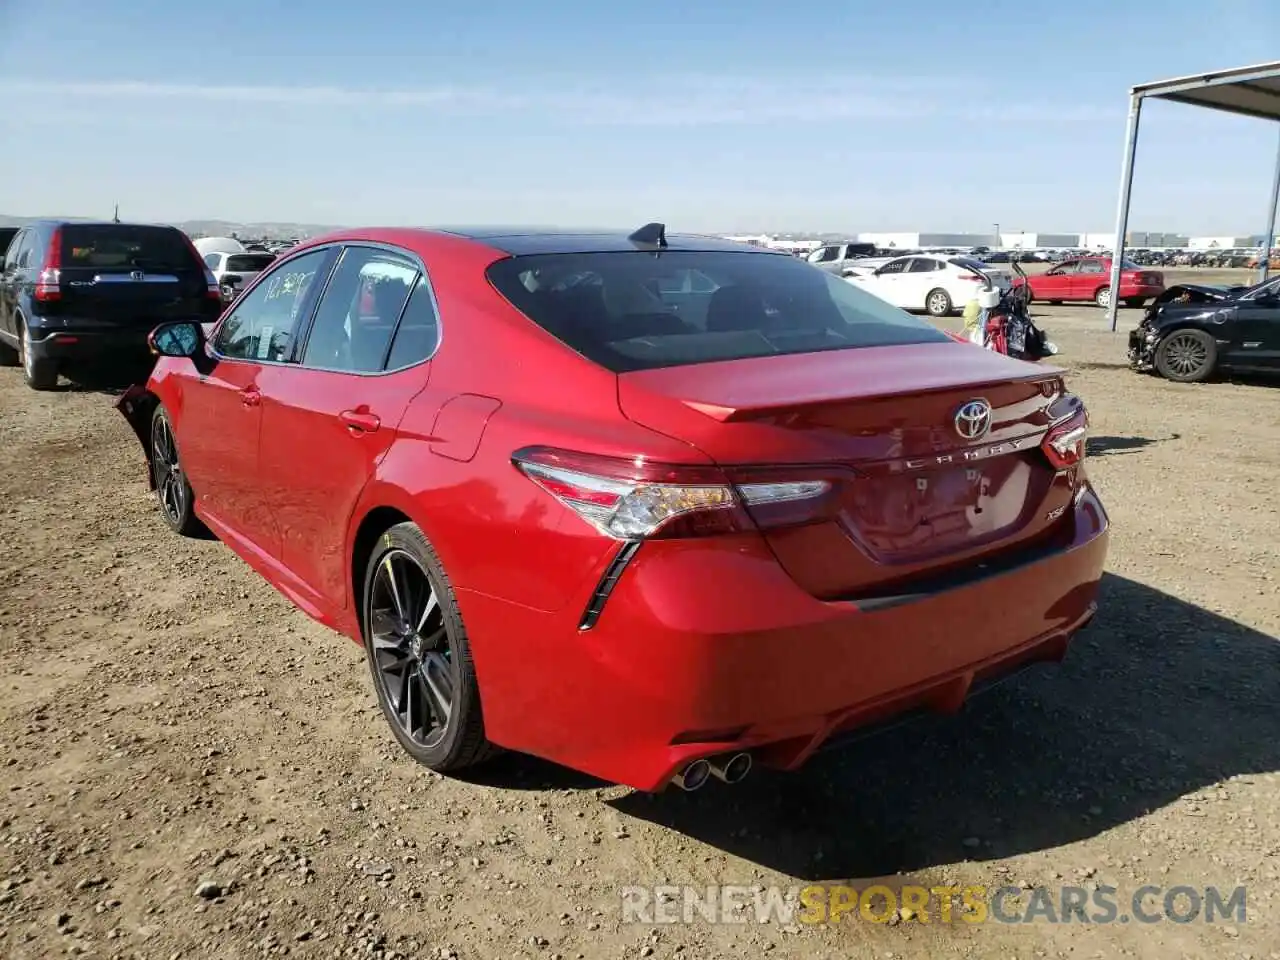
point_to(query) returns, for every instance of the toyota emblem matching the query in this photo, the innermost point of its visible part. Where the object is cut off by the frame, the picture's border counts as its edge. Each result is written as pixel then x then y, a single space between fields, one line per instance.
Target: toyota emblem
pixel 973 419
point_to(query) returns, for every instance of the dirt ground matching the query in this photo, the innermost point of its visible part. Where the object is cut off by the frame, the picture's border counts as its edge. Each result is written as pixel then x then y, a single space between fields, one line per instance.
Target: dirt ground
pixel 192 768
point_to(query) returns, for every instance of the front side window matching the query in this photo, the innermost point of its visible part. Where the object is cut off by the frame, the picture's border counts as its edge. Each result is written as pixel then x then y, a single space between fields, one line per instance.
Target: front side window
pixel 359 310
pixel 263 322
pixel 609 308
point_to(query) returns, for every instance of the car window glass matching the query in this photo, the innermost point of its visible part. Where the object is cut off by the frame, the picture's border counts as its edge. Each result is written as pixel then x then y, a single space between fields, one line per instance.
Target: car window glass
pixel 419 329
pixel 262 324
pixel 921 265
pixel 1091 266
pixel 211 260
pixel 607 307
pixel 359 310
pixel 15 249
pixel 894 266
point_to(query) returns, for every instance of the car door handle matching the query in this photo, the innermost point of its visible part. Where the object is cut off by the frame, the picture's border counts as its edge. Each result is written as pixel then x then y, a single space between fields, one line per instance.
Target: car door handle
pixel 251 397
pixel 358 421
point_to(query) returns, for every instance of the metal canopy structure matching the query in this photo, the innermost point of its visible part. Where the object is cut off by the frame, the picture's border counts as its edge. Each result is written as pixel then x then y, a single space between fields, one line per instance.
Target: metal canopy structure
pixel 1245 91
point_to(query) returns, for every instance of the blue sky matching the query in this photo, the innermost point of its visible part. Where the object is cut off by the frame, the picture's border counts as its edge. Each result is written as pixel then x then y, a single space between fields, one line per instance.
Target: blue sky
pixel 757 114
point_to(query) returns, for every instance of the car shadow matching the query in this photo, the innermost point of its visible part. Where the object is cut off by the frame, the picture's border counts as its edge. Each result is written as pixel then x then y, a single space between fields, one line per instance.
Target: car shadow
pixel 1105 446
pixel 1159 698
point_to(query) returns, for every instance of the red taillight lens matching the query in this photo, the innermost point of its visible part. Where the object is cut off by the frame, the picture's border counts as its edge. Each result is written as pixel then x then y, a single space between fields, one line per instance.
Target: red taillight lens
pixel 637 499
pixel 1064 444
pixel 49 282
pixel 212 290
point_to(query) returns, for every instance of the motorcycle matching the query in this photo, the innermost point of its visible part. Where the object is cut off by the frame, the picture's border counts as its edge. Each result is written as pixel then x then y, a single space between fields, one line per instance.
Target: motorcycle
pixel 1008 327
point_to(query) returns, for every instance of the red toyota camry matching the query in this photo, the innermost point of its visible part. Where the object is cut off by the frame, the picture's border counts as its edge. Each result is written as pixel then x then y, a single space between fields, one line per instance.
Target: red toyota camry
pixel 656 508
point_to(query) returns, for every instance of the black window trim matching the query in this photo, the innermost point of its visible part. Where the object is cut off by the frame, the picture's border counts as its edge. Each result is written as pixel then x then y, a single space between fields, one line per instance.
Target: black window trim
pixel 414 261
pixel 310 308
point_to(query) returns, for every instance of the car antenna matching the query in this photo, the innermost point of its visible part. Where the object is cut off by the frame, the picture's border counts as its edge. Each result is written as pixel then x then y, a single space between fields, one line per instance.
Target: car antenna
pixel 651 235
pixel 116 217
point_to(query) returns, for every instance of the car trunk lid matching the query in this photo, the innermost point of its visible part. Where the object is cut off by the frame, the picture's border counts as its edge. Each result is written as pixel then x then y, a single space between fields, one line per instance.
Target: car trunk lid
pixel 919 480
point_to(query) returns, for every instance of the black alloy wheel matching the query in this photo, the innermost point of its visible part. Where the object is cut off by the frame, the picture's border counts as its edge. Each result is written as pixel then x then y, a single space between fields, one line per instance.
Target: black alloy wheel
pixel 1186 356
pixel 172 489
pixel 418 654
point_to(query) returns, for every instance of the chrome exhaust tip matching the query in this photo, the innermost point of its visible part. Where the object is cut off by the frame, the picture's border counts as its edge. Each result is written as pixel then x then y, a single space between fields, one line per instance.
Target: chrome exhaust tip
pixel 693 777
pixel 733 768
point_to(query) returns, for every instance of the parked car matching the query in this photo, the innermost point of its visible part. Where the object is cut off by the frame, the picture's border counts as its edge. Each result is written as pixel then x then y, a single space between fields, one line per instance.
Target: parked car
pixel 88 294
pixel 650 517
pixel 1089 278
pixel 936 285
pixel 834 257
pixel 1192 331
pixel 235 271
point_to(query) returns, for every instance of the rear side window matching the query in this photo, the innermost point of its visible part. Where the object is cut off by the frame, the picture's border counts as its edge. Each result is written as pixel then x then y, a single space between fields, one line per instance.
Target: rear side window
pixel 103 246
pixel 633 310
pixel 249 262
pixel 419 329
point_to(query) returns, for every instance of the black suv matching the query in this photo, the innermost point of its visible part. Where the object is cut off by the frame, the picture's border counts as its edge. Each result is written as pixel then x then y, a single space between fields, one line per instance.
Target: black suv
pixel 81 294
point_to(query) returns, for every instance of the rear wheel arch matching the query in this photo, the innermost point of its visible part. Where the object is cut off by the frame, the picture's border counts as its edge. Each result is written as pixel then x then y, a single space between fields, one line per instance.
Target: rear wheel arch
pixel 373 525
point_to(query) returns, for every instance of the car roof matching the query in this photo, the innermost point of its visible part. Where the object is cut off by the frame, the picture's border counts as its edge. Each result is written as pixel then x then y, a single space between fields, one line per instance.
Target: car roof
pixel 525 241
pixel 528 241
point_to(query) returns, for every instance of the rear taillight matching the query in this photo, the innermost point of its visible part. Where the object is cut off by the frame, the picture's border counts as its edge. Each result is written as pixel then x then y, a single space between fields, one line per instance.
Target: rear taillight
pixel 49 282
pixel 1064 444
pixel 636 499
pixel 212 290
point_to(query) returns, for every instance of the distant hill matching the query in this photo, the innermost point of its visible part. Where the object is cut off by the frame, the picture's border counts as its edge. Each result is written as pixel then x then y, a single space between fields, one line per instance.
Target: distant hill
pixel 208 228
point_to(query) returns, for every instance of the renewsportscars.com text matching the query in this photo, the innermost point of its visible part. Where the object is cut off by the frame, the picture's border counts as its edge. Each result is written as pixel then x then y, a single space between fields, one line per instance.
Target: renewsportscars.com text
pixel 880 903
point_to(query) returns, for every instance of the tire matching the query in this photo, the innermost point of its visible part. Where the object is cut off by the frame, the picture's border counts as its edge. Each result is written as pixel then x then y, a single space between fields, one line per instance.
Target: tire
pixel 9 355
pixel 173 492
pixel 439 724
pixel 1186 356
pixel 938 303
pixel 1102 297
pixel 39 373
pixel 1135 302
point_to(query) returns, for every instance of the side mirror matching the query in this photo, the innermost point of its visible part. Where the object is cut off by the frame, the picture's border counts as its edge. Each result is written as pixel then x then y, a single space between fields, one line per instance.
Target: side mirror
pixel 180 339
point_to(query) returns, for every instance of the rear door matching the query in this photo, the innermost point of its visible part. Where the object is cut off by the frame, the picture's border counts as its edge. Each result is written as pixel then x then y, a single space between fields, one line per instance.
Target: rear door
pixel 329 420
pixel 1091 275
pixel 9 288
pixel 131 275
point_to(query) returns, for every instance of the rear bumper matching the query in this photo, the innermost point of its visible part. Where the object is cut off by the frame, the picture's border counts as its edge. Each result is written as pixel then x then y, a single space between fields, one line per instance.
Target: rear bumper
pixel 89 342
pixel 1145 291
pixel 703 650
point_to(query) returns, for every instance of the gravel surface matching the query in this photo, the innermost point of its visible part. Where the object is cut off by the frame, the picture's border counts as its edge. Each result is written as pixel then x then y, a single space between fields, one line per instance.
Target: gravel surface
pixel 192 768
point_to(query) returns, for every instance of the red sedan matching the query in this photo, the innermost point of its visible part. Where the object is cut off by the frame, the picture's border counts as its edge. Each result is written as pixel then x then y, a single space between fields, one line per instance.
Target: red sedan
pixel 1089 279
pixel 653 508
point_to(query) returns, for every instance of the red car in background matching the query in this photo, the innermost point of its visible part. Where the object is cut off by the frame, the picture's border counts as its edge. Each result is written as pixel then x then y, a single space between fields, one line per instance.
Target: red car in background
pixel 1089 278
pixel 653 508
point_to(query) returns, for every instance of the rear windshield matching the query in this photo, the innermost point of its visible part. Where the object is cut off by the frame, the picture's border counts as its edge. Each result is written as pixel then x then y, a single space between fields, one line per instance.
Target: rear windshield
pixel 249 262
pixel 636 310
pixel 135 247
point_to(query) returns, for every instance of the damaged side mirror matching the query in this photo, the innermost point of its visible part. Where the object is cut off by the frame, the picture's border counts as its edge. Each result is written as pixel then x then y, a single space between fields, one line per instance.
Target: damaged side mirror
pixel 180 339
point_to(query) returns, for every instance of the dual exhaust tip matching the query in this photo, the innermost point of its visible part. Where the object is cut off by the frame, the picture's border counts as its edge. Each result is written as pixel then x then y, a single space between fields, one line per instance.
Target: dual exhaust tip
pixel 729 768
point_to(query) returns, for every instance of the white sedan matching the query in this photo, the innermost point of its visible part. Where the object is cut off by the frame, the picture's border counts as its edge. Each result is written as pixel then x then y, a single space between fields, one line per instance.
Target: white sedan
pixel 938 285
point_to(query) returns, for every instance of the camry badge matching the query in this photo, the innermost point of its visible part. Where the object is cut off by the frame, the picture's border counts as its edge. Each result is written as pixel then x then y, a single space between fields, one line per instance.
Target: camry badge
pixel 973 419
